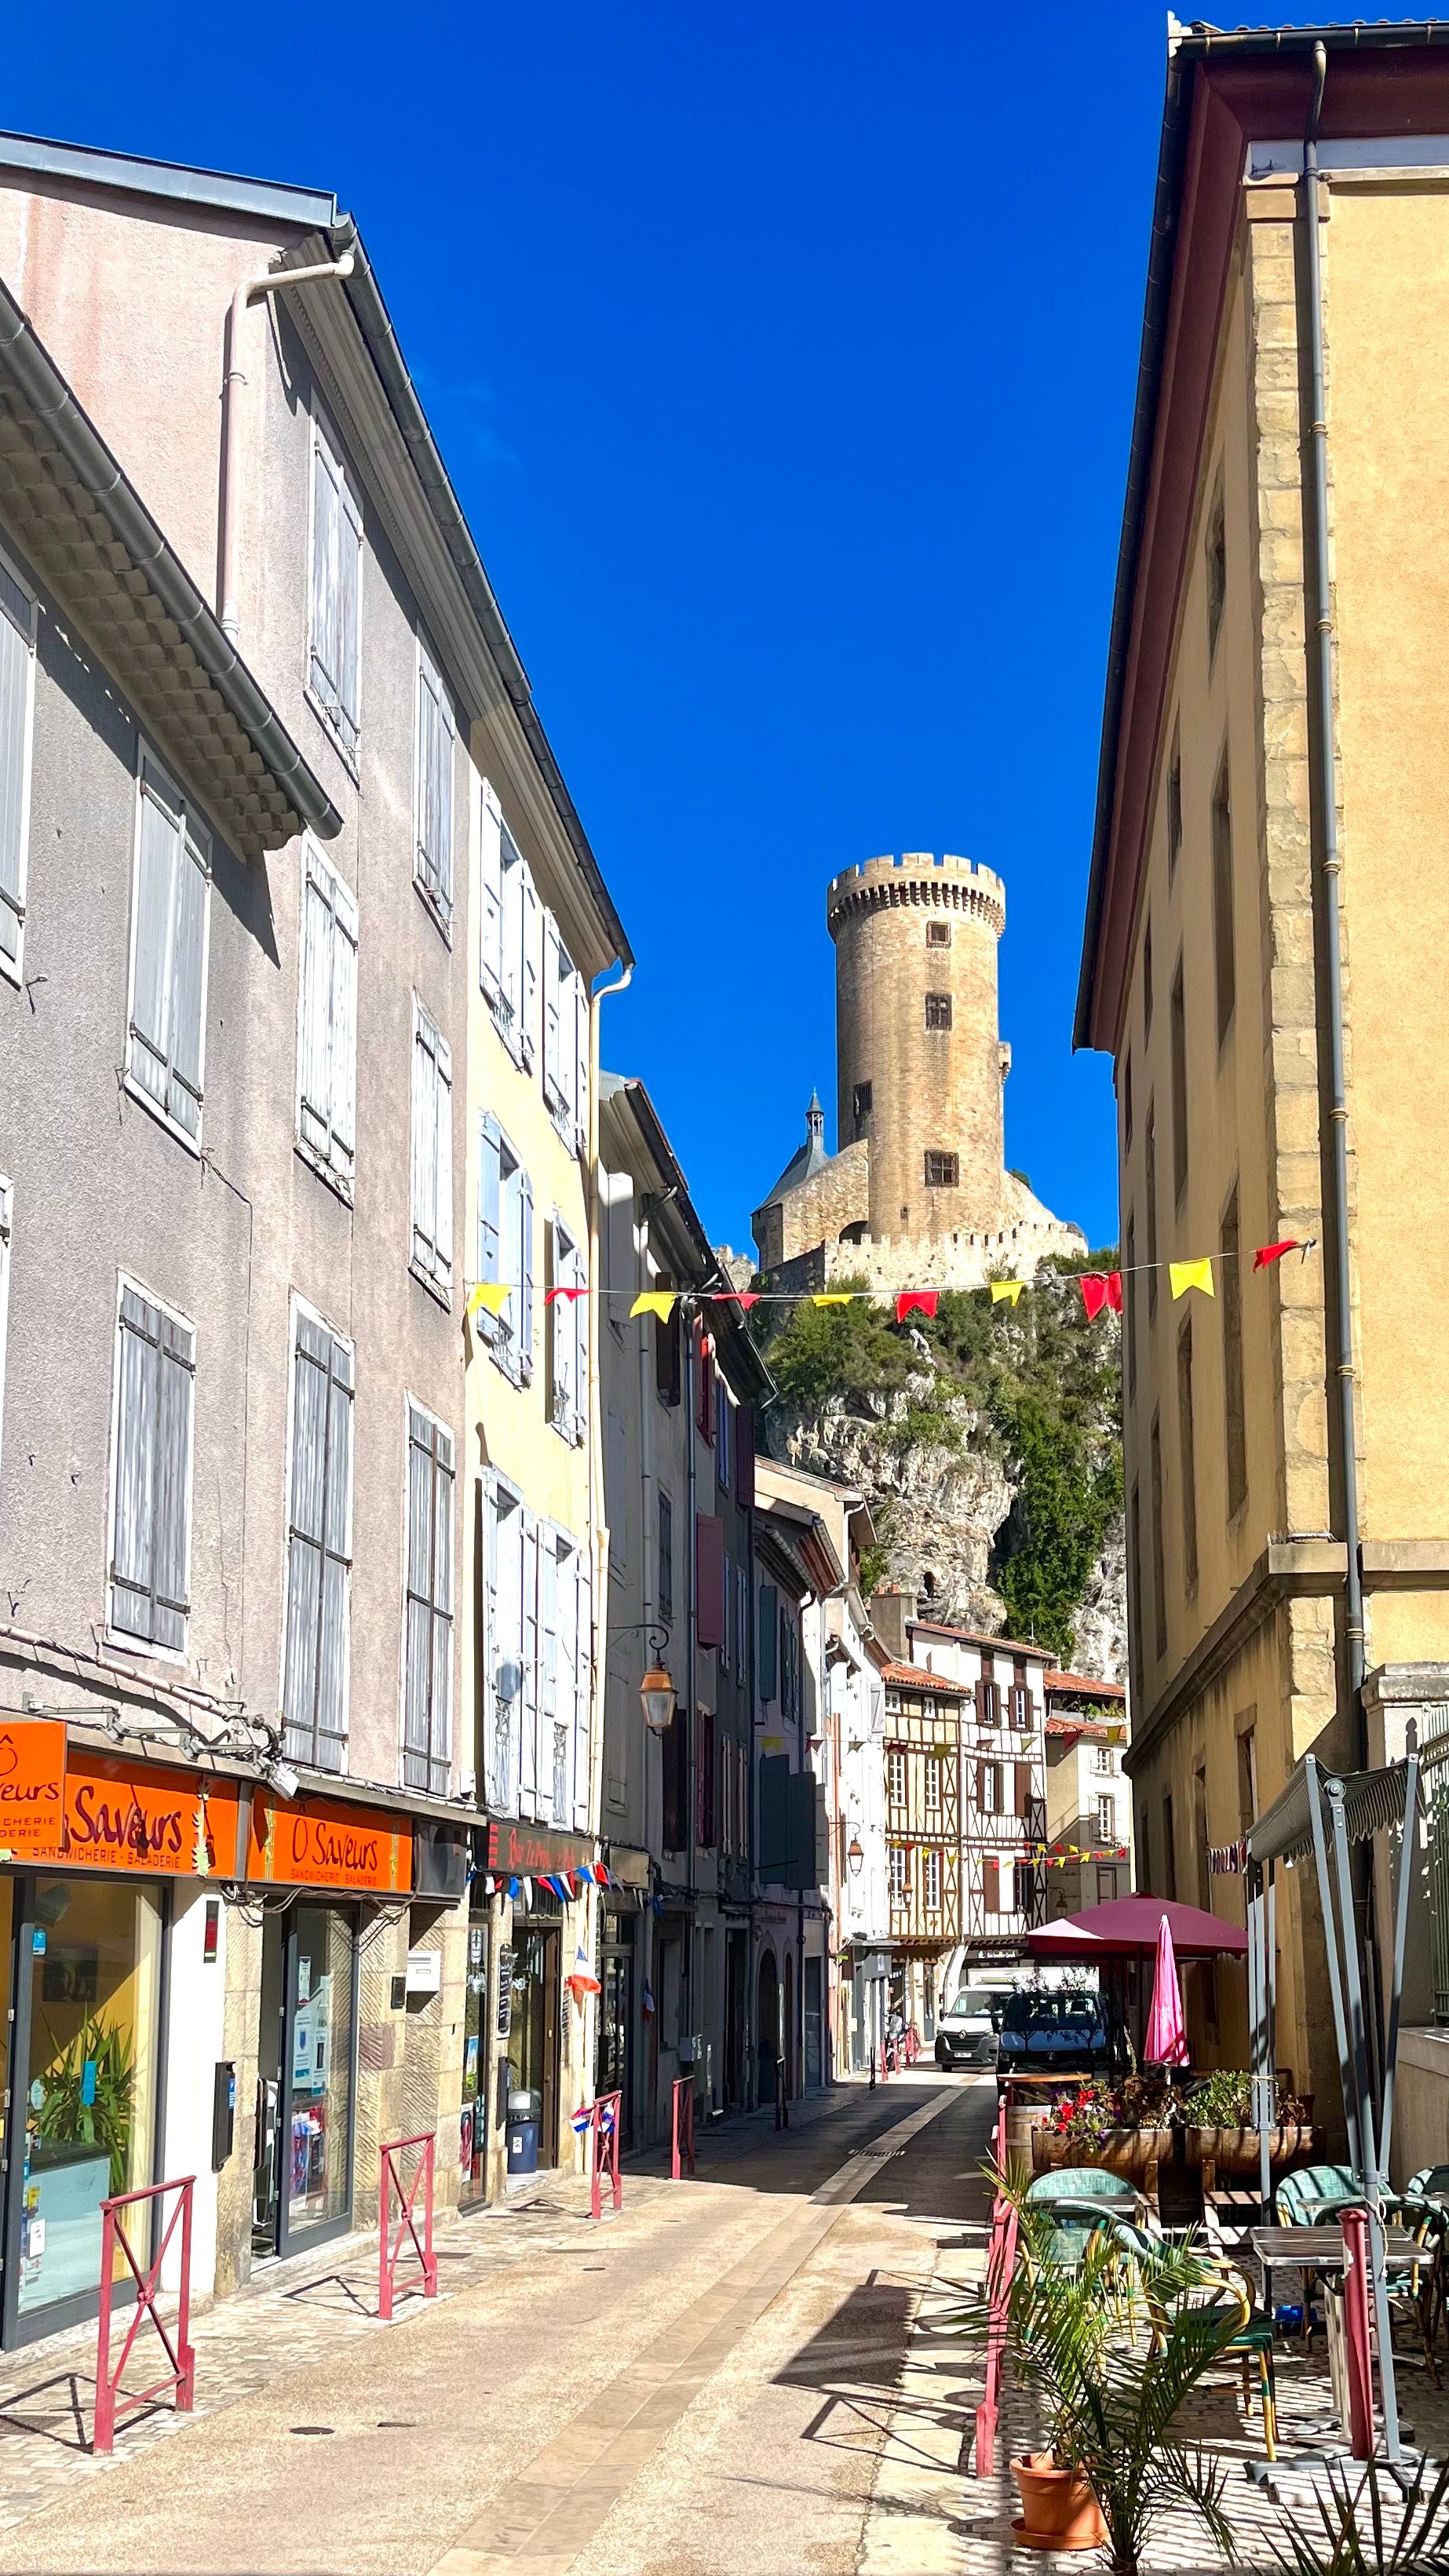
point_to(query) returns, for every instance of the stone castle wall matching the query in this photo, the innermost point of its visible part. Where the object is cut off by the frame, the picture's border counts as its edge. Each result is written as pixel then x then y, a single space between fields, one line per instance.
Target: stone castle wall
pixel 818 1210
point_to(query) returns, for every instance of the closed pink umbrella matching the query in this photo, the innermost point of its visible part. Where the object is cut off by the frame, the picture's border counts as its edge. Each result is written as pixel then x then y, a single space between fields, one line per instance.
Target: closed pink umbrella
pixel 1166 2041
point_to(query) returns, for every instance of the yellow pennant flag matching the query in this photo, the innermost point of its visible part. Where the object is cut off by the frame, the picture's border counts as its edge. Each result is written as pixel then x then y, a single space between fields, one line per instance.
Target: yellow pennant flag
pixel 655 1301
pixel 1191 1274
pixel 1007 1290
pixel 840 1298
pixel 491 1294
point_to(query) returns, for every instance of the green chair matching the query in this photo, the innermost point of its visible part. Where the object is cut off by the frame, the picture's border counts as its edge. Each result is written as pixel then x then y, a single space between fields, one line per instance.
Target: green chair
pixel 1314 2195
pixel 1078 2198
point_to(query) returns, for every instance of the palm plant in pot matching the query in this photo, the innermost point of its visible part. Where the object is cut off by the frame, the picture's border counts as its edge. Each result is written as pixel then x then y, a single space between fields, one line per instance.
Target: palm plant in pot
pixel 1111 2345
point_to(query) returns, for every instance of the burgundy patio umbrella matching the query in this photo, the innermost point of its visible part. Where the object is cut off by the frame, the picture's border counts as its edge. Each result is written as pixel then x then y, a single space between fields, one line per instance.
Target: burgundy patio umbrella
pixel 1166 2041
pixel 1128 1928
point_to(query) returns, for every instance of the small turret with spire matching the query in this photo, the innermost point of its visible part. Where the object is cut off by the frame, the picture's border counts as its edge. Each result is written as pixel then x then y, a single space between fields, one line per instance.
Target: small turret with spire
pixel 815 1120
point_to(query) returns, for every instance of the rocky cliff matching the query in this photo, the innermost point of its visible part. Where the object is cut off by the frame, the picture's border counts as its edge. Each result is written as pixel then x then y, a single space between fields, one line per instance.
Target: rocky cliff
pixel 987 1441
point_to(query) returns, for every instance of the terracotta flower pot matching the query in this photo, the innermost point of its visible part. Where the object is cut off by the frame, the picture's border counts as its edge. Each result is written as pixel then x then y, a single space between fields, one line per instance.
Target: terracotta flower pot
pixel 1058 2508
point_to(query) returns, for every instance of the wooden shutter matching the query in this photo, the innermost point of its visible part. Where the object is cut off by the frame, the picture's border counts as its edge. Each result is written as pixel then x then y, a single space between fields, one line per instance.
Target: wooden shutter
pixel 433 789
pixel 580 1078
pixel 583 1685
pixel 344 1029
pixel 314 1008
pixel 527 965
pixel 525 1328
pixel 326 621
pixel 349 653
pixel 443 1186
pixel 579 1318
pixel 490 1215
pixel 528 1779
pixel 17 670
pixel 709 1569
pixel 704 1769
pixel 745 1457
pixel 551 1005
pixel 726 1612
pixel 428 1699
pixel 152 1526
pixel 490 892
pixel 769 1641
pixel 432 1149
pixel 1023 1786
pixel 319 1548
pixel 548 1633
pixel 991 1886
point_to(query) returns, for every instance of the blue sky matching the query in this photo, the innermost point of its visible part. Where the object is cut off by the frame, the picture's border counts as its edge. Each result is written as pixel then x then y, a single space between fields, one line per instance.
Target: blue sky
pixel 783 357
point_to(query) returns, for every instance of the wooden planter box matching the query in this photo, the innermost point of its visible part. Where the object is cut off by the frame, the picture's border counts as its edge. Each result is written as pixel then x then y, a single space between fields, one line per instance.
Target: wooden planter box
pixel 1135 2154
pixel 1232 2154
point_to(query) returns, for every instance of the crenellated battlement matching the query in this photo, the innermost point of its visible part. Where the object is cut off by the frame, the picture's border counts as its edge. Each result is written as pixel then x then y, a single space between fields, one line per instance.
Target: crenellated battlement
pixel 920 880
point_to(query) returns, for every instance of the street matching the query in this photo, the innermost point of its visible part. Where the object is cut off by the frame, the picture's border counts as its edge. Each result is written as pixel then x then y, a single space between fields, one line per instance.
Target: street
pixel 701 2383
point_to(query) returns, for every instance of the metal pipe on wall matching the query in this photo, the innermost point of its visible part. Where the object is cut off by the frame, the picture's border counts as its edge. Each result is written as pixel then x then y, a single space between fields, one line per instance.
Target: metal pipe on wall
pixel 251 291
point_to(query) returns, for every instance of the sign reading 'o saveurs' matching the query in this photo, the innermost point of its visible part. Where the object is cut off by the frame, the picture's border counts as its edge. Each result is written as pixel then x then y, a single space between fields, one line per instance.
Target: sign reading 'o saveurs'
pixel 318 1842
pixel 32 1785
pixel 121 1815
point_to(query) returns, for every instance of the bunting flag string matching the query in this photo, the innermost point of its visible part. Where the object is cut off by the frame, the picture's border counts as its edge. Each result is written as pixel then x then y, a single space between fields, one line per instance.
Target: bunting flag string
pixel 1006 1291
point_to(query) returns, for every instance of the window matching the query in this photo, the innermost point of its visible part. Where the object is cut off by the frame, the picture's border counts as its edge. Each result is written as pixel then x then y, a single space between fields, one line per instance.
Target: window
pixel 1217 570
pixel 433 791
pixel 1020 1704
pixel 428 1705
pixel 1106 1886
pixel 1129 1283
pixel 1174 804
pixel 860 1106
pixel 566 1327
pixel 319 1548
pixel 988 1701
pixel 1147 986
pixel 505 1250
pixel 933 1780
pixel 938 1010
pixel 5 1211
pixel 704 1784
pixel 17 706
pixel 1105 1757
pixel 432 1155
pixel 1106 1820
pixel 168 953
pixel 1150 1201
pixel 942 1171
pixel 1200 1838
pixel 565 1038
pixel 933 1882
pixel 938 934
pixel 1159 1582
pixel 1223 960
pixel 988 1787
pixel 1234 1408
pixel 723 1443
pixel 898 1871
pixel 668 1362
pixel 1186 1457
pixel 507 929
pixel 327 1021
pixel 1179 1088
pixel 1247 1778
pixel 151 1452
pixel 335 662
pixel 896 1776
pixel 666 1558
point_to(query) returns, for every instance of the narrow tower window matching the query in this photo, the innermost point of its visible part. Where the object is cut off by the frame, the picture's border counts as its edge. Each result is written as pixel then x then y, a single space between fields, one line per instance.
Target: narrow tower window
pixel 938 934
pixel 942 1171
pixel 860 1104
pixel 938 1010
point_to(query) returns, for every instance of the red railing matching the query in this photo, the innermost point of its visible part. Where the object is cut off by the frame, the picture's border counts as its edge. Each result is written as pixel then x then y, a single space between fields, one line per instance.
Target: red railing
pixel 605 2117
pixel 390 2250
pixel 180 2379
pixel 1000 2265
pixel 682 2134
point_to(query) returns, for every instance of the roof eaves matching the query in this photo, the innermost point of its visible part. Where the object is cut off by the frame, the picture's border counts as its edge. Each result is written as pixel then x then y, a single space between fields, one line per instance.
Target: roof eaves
pixel 312 209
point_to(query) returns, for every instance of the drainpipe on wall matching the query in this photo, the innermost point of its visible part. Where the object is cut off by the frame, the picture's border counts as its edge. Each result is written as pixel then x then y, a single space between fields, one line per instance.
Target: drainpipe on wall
pixel 691 1656
pixel 252 291
pixel 598 1528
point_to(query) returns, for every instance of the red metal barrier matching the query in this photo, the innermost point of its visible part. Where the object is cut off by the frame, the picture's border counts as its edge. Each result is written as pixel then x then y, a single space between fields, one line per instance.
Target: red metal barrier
pixel 683 2125
pixel 1000 2266
pixel 390 2250
pixel 1358 2351
pixel 181 2377
pixel 606 2115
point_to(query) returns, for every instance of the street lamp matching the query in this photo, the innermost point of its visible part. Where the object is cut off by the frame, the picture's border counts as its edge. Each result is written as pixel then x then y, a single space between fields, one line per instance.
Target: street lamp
pixel 658 1695
pixel 855 1856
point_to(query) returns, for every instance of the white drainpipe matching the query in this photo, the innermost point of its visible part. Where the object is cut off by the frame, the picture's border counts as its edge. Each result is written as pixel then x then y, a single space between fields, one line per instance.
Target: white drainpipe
pixel 250 292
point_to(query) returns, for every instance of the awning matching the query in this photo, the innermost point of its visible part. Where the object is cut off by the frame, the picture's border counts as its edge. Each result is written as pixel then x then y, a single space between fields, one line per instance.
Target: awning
pixel 1128 1926
pixel 1372 1800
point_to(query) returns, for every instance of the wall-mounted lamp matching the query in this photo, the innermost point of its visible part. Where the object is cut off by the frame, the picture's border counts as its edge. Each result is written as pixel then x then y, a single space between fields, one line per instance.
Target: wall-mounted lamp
pixel 855 1856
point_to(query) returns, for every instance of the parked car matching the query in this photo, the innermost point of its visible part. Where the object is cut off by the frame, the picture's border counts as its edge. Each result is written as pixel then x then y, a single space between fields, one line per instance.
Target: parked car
pixel 966 2032
pixel 1054 2034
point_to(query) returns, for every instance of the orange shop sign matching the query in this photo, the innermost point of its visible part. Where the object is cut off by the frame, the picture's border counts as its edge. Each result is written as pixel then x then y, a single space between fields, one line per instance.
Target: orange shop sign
pixel 141 1816
pixel 32 1784
pixel 318 1842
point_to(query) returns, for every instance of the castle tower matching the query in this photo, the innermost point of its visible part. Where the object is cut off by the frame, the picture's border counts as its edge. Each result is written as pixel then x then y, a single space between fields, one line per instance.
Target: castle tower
pixel 920 1064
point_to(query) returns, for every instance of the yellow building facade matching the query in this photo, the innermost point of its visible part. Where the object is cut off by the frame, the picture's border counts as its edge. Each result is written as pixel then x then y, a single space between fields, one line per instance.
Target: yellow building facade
pixel 1210 936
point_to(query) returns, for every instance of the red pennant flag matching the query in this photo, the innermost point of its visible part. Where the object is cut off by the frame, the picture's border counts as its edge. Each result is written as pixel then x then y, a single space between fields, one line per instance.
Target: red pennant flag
pixel 1270 1252
pixel 912 1299
pixel 1101 1288
pixel 744 1298
pixel 550 1294
pixel 1114 1291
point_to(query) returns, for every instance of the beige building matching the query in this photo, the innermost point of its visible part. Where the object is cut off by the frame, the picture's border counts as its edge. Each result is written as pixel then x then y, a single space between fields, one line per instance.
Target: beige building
pixel 1272 831
pixel 918 1183
pixel 1088 1794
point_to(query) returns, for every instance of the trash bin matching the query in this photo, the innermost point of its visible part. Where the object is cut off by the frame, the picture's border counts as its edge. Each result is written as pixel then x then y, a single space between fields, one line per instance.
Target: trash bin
pixel 525 2114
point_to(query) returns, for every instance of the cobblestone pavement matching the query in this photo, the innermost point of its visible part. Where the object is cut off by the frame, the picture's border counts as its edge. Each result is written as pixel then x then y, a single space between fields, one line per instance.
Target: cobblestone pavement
pixel 764 2370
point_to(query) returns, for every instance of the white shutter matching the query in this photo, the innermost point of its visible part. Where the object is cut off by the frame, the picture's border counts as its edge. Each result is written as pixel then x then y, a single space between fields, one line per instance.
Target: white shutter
pixel 525 1333
pixel 349 618
pixel 527 966
pixel 314 1062
pixel 580 1074
pixel 552 1059
pixel 315 1679
pixel 188 986
pixel 432 1150
pixel 490 892
pixel 151 1538
pixel 562 1714
pixel 528 1639
pixel 326 621
pixel 344 1029
pixel 579 1309
pixel 17 681
pixel 443 1146
pixel 583 1686
pixel 5 1219
pixel 495 1756
pixel 156 855
pixel 433 786
pixel 490 1183
pixel 548 1625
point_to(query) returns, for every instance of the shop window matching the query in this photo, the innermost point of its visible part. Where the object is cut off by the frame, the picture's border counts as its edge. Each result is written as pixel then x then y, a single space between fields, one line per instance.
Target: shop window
pixel 319 1549
pixel 428 1710
pixel 151 1511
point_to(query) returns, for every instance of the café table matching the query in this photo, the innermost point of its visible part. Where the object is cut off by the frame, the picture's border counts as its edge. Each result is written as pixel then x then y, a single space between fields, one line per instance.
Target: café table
pixel 1321 2249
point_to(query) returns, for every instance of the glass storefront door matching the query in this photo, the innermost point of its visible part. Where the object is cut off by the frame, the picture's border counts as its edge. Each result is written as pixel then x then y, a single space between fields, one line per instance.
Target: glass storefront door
pixel 473 2117
pixel 302 2185
pixel 87 2037
pixel 532 2042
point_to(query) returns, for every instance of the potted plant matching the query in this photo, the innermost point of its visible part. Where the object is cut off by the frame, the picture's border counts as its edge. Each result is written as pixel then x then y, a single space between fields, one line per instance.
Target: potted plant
pixel 1109 2389
pixel 89 2094
pixel 1219 2138
pixel 1123 2128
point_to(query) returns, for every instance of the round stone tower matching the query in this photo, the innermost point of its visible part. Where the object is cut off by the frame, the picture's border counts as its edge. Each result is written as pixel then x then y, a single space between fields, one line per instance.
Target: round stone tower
pixel 920 1064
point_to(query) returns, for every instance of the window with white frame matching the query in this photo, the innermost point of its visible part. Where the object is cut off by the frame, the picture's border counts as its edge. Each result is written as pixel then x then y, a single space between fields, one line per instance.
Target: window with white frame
pixel 1106 1820
pixel 565 1038
pixel 990 1775
pixel 933 1779
pixel 505 1250
pixel 503 1645
pixel 723 1435
pixel 433 790
pixel 5 1214
pixel 933 1882
pixel 316 1655
pixel 327 1021
pixel 335 660
pixel 432 1153
pixel 895 1775
pixel 17 714
pixel 566 1325
pixel 1104 1757
pixel 151 1474
pixel 428 1690
pixel 171 905
pixel 898 1870
pixel 507 929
